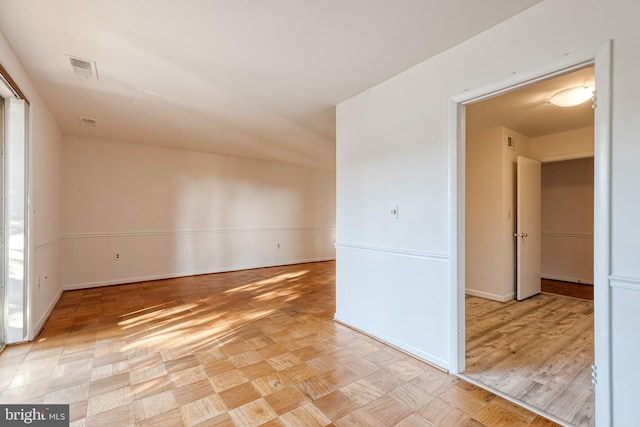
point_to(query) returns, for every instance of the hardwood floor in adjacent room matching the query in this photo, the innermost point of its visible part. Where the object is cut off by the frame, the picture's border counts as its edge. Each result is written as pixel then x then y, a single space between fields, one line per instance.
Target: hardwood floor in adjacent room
pixel 569 289
pixel 246 348
pixel 538 351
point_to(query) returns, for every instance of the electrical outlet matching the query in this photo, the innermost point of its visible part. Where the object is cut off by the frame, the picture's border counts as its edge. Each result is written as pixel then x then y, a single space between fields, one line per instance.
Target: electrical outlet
pixel 116 256
pixel 39 281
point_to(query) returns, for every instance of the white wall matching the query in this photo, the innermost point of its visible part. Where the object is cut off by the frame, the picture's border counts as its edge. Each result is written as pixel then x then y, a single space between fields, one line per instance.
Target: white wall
pixel 567 188
pixel 171 212
pixel 490 208
pixel 45 215
pixel 392 147
pixel 392 273
pixel 567 220
pixel 485 254
pixel 573 144
pixel 46 211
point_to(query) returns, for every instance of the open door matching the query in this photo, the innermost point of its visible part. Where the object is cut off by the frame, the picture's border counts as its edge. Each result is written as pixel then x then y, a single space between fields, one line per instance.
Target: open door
pixel 528 233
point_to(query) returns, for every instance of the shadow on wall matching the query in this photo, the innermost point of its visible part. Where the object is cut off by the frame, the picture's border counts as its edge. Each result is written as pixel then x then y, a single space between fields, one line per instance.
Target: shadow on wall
pixel 171 213
pixel 235 213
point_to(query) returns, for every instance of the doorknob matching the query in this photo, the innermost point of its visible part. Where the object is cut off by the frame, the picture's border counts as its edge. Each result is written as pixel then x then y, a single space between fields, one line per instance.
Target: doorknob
pixel 521 234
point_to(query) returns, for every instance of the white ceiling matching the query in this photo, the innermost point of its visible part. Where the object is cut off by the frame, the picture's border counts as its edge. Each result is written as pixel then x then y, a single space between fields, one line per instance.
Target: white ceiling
pixel 253 78
pixel 528 111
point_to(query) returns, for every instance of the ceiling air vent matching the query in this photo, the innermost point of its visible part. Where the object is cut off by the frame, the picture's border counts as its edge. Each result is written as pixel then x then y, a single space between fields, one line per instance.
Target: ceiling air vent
pixel 83 67
pixel 88 121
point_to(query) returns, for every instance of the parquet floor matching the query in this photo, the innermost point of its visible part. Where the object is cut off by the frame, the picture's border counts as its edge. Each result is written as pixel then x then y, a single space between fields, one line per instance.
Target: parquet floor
pixel 538 351
pixel 247 348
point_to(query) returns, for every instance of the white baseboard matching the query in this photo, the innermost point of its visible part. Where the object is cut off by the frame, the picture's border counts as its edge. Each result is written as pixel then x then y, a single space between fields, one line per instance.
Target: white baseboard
pixel 393 342
pixel 567 279
pixel 489 295
pixel 128 280
pixel 45 316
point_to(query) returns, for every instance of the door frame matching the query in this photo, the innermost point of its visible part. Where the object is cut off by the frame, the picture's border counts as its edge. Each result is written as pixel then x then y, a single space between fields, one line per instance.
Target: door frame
pixel 15 182
pixel 599 56
pixel 3 286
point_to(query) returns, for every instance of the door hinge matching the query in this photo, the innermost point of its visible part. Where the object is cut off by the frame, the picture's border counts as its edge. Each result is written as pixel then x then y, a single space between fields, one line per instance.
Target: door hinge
pixel 594 100
pixel 594 374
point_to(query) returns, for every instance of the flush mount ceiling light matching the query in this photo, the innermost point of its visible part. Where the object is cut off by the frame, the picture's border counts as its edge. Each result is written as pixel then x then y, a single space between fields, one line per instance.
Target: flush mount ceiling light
pixel 572 96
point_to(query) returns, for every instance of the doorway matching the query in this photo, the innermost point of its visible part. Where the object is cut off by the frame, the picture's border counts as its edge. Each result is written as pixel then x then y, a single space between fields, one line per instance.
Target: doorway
pixel 599 56
pixel 516 348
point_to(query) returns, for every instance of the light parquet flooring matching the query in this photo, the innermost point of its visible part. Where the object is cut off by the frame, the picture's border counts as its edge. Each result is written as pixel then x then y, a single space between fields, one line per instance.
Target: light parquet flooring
pixel 538 351
pixel 247 348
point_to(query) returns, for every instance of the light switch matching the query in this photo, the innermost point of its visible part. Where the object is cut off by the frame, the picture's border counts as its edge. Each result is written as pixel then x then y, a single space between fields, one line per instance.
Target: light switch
pixel 394 212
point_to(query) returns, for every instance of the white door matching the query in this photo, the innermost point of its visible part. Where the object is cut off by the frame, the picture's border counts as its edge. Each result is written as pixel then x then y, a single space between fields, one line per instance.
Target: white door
pixel 528 233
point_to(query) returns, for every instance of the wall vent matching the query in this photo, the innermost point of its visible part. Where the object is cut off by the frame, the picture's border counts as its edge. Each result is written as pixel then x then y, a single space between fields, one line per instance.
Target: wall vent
pixel 83 67
pixel 88 121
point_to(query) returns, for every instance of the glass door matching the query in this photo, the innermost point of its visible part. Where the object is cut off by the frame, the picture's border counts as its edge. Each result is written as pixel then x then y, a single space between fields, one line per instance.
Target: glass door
pixel 3 300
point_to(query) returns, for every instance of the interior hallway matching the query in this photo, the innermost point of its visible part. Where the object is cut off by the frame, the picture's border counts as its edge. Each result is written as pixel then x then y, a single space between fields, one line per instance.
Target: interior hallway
pixel 539 351
pixel 246 348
